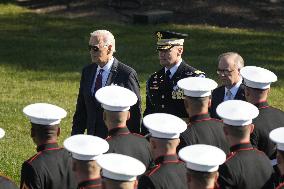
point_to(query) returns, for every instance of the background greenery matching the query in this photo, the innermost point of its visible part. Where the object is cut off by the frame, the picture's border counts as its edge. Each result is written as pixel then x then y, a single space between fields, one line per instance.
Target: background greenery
pixel 41 58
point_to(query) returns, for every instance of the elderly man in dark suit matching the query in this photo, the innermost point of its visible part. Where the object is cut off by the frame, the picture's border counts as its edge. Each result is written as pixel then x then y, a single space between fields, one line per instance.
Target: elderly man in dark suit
pixel 104 70
pixel 231 87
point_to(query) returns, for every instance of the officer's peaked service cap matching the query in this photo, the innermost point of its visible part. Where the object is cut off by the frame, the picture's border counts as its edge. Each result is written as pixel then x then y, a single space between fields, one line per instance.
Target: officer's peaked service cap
pixel 277 136
pixel 44 114
pixel 116 98
pixel 168 39
pixel 86 147
pixel 164 126
pixel 120 167
pixel 202 157
pixel 257 77
pixel 197 86
pixel 237 112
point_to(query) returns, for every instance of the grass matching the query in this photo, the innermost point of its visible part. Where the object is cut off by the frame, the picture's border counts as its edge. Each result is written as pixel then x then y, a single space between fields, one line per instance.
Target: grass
pixel 42 57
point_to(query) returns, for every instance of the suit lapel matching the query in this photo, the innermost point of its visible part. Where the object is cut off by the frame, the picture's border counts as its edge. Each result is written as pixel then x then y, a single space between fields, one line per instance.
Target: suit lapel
pixel 240 93
pixel 91 78
pixel 178 73
pixel 220 97
pixel 112 73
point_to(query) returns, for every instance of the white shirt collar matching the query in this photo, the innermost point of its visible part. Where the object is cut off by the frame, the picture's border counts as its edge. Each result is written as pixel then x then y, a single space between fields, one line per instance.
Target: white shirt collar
pixel 174 68
pixel 234 89
pixel 107 66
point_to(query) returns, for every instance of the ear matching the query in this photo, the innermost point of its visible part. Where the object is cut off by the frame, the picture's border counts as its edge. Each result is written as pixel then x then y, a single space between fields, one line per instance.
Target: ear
pixel 180 50
pixel 128 116
pixel 209 102
pixel 58 131
pixel 109 49
pixel 251 128
pixel 216 177
pixel 135 184
pixel 178 141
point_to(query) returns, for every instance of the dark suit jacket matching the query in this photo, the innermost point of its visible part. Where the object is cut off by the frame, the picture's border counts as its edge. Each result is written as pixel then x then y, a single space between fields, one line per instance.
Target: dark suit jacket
pixel 89 114
pixel 218 97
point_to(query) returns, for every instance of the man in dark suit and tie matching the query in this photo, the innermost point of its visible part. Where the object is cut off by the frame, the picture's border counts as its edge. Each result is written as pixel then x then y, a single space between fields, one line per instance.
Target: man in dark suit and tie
pixel 104 70
pixel 231 87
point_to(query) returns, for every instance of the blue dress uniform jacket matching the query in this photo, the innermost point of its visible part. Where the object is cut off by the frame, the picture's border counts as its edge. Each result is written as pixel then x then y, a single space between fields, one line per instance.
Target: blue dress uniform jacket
pixel 51 167
pixel 269 118
pixel 162 97
pixel 89 114
pixel 203 129
pixel 246 168
pixel 122 141
pixel 168 173
pixel 6 183
pixel 91 184
pixel 218 97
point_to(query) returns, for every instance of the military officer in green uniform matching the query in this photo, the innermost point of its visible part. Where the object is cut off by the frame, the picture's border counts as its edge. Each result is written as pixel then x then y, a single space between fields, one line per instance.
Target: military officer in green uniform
pixel 162 93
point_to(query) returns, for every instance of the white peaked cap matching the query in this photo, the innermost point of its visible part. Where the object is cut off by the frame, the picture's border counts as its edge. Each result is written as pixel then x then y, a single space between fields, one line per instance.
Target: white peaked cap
pixel 237 112
pixel 120 167
pixel 277 136
pixel 257 77
pixel 86 147
pixel 197 86
pixel 2 133
pixel 116 98
pixel 162 125
pixel 202 157
pixel 44 114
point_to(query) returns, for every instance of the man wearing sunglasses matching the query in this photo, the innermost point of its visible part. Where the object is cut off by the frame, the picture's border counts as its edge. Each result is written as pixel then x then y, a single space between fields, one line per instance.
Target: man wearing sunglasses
pixel 163 95
pixel 231 87
pixel 105 70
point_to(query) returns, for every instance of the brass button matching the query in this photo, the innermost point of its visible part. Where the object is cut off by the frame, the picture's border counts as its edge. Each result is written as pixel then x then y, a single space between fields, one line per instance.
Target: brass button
pixel 163 96
pixel 163 106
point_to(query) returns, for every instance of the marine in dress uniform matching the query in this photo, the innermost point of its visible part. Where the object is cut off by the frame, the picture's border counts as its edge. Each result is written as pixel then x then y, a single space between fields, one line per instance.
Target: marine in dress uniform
pixel 257 81
pixel 245 167
pixel 85 151
pixel 162 93
pixel 116 102
pixel 105 70
pixel 51 166
pixel 202 129
pixel 168 172
pixel 202 162
pixel 120 171
pixel 277 136
pixel 5 182
pixel 231 87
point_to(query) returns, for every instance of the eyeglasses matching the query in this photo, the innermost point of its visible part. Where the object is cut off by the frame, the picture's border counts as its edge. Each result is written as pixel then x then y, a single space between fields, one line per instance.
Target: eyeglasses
pixel 224 72
pixel 93 48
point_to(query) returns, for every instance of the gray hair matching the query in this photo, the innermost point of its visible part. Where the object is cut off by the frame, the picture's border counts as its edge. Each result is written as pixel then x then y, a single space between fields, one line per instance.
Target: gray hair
pixel 238 60
pixel 107 36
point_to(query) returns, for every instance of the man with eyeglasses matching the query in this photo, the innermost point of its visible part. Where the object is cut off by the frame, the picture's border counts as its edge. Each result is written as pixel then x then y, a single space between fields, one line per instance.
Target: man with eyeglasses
pixel 162 93
pixel 105 70
pixel 231 87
